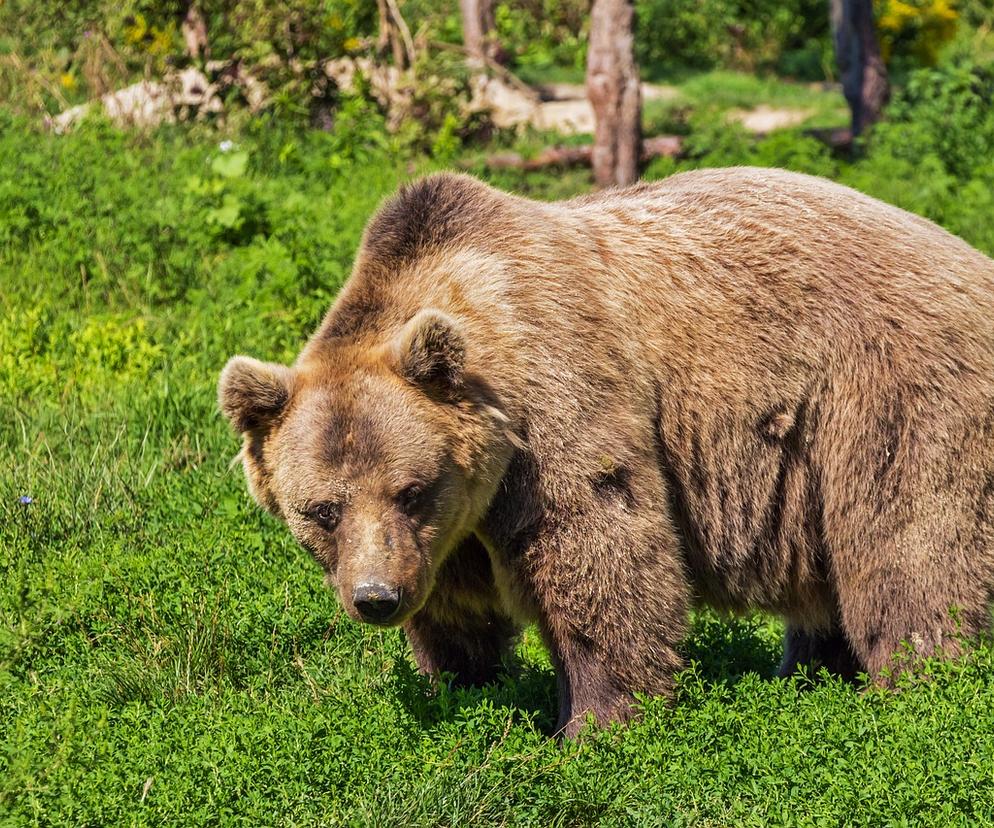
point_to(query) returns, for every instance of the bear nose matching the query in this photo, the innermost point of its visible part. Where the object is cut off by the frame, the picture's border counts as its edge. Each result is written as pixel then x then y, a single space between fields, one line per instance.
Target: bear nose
pixel 376 603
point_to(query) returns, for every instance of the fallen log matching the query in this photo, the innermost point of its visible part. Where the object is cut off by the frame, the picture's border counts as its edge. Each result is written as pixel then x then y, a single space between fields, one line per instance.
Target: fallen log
pixel 837 138
pixel 655 147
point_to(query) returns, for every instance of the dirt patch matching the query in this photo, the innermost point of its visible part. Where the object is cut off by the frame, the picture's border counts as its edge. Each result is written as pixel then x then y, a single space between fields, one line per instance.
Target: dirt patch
pixel 564 108
pixel 556 107
pixel 765 118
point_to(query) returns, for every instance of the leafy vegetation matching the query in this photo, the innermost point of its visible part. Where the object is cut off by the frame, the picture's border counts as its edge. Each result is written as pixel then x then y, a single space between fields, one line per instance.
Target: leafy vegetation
pixel 53 55
pixel 735 34
pixel 169 656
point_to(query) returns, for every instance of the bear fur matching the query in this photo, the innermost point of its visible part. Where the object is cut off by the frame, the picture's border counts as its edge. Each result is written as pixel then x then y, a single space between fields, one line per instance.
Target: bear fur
pixel 745 388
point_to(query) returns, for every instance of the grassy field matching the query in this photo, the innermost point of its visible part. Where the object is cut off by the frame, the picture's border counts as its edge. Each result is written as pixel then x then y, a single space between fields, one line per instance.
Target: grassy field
pixel 168 656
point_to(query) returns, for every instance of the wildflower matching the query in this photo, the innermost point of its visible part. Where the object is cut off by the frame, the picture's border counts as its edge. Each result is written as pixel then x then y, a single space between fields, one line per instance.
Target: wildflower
pixel 25 500
pixel 226 146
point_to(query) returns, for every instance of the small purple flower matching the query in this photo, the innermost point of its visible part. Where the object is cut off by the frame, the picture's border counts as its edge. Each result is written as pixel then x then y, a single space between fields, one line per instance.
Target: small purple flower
pixel 87 33
pixel 25 500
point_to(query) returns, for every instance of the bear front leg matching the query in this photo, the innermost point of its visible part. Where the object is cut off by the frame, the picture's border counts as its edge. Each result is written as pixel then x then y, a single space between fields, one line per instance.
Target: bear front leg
pixel 462 629
pixel 613 604
pixel 589 686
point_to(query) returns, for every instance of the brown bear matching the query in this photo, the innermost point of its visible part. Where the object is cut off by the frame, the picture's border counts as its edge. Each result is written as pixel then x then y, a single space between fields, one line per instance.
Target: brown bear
pixel 745 388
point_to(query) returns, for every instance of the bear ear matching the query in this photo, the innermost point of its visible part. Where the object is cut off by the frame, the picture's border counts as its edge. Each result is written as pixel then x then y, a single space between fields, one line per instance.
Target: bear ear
pixel 251 393
pixel 431 349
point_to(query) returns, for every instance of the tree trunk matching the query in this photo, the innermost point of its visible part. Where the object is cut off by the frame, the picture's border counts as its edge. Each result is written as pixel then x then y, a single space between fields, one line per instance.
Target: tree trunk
pixel 194 30
pixel 613 89
pixel 478 33
pixel 394 34
pixel 384 39
pixel 857 52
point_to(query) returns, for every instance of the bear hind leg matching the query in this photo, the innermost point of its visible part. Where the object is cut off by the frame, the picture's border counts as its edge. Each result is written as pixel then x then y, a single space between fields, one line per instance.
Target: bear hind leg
pixel 907 522
pixel 893 619
pixel 816 649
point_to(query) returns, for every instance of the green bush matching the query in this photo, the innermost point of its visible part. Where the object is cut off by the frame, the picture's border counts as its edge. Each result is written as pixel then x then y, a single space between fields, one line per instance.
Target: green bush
pixel 249 29
pixel 914 31
pixel 69 52
pixel 542 34
pixel 743 34
pixel 945 114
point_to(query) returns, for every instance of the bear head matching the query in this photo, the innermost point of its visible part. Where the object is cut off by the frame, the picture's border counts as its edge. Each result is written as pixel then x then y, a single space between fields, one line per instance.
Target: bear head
pixel 380 458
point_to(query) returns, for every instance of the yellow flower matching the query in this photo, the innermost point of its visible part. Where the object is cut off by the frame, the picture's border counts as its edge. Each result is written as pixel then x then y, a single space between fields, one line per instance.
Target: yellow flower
pixel 942 9
pixel 134 33
pixel 162 40
pixel 918 27
pixel 352 44
pixel 67 80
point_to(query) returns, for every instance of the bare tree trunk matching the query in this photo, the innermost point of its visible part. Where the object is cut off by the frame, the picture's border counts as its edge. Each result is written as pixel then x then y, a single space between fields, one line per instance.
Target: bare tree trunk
pixel 613 89
pixel 384 38
pixel 194 30
pixel 857 52
pixel 394 34
pixel 478 31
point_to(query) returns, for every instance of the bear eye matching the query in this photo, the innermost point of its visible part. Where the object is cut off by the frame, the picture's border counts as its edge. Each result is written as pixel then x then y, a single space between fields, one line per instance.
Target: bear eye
pixel 409 498
pixel 326 515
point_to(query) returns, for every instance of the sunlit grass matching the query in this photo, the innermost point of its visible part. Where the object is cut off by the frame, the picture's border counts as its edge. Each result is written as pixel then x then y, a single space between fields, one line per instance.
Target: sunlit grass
pixel 169 656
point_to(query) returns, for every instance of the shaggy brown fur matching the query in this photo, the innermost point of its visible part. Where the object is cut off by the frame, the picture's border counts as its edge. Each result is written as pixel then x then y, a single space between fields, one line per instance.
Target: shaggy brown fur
pixel 741 387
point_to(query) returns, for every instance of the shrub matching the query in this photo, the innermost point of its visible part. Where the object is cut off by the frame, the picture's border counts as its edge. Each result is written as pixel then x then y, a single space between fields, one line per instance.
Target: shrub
pixel 945 114
pixel 80 50
pixel 675 34
pixel 738 34
pixel 539 34
pixel 915 29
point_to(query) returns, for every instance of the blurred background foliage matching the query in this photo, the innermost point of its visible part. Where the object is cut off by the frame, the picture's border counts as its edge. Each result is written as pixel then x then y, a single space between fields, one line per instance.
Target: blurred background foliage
pixel 53 53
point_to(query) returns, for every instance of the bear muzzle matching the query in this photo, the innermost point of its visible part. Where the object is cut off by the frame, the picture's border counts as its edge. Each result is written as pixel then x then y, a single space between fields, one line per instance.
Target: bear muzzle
pixel 376 603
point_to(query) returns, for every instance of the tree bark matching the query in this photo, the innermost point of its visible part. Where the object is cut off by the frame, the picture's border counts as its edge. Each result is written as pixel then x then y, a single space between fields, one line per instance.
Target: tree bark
pixel 478 31
pixel 194 30
pixel 613 89
pixel 857 52
pixel 385 37
pixel 394 34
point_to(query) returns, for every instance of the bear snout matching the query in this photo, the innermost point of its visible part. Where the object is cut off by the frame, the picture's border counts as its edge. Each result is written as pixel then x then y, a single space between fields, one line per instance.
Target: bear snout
pixel 376 603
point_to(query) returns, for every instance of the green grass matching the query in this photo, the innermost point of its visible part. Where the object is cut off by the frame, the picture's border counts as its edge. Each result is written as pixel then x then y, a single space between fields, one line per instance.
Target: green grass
pixel 169 656
pixel 727 89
